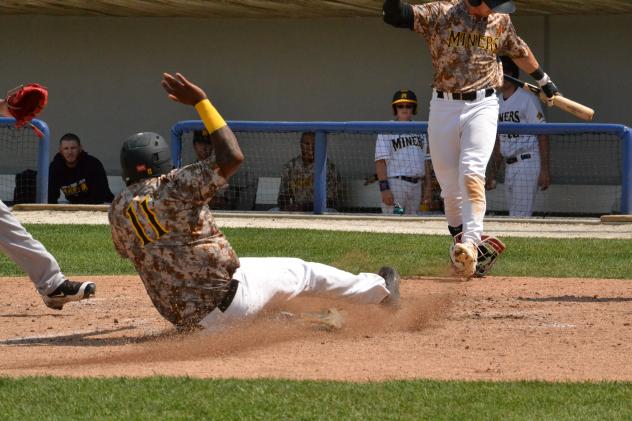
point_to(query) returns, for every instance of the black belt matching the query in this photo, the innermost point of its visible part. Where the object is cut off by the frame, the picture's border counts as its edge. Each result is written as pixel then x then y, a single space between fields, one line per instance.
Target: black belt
pixel 413 180
pixel 514 159
pixel 466 96
pixel 230 295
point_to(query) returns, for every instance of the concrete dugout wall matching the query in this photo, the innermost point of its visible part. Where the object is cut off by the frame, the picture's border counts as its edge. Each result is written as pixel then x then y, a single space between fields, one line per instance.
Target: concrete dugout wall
pixel 104 73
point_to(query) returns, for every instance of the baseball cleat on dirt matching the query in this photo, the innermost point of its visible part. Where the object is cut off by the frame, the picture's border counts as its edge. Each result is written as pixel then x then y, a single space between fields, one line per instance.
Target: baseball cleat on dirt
pixel 464 257
pixel 69 291
pixel 391 276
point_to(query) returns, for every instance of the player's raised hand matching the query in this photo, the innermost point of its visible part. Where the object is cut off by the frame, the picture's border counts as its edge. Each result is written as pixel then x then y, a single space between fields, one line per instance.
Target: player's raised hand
pixel 181 90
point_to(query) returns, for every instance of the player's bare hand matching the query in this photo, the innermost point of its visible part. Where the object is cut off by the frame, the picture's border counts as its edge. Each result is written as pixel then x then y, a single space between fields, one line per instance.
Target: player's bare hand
pixel 490 183
pixel 181 90
pixel 387 198
pixel 544 180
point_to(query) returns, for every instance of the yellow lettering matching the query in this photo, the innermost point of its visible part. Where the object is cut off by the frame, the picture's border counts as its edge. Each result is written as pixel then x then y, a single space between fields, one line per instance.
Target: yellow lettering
pixel 454 38
pixel 490 44
pixel 481 42
pixel 472 40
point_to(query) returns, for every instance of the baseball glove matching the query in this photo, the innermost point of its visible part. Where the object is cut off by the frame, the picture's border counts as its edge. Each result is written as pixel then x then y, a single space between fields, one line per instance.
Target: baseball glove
pixel 26 102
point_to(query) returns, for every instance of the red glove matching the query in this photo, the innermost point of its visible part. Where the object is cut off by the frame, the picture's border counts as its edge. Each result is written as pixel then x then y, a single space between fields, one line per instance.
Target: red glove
pixel 26 102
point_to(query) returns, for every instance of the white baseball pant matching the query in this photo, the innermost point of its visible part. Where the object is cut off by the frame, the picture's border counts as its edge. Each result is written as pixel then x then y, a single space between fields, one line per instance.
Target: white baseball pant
pixel 521 185
pixel 462 136
pixel 406 194
pixel 28 253
pixel 267 280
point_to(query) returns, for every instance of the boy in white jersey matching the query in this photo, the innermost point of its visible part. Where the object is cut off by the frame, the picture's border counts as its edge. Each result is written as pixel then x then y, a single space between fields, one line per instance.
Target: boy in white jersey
pixel 526 156
pixel 402 161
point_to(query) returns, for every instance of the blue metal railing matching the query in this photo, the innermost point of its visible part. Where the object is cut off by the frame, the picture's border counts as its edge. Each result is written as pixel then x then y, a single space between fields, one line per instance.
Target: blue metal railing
pixel 43 156
pixel 322 128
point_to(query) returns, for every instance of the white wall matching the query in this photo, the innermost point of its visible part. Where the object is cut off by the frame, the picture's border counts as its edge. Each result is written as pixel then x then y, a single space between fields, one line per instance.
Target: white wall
pixel 104 73
pixel 591 58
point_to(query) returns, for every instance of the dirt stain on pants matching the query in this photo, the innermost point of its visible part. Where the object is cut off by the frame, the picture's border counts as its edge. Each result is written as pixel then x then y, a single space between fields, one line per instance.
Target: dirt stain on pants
pixel 475 186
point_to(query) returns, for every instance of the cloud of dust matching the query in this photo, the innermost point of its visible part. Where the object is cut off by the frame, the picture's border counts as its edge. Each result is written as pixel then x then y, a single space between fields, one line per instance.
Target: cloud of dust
pixel 276 326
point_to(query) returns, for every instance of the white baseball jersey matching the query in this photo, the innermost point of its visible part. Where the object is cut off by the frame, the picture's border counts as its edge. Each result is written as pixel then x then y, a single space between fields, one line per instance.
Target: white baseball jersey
pixel 521 107
pixel 404 153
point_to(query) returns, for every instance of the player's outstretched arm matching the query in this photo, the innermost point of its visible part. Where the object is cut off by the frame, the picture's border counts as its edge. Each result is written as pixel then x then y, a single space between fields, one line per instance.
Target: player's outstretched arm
pixel 228 154
pixel 530 65
pixel 398 13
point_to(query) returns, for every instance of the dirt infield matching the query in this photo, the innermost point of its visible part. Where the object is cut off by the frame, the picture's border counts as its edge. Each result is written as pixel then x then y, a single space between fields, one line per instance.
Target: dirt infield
pixel 491 329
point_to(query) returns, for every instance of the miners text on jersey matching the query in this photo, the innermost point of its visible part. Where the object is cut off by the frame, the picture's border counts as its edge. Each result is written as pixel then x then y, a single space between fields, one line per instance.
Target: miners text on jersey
pixel 405 153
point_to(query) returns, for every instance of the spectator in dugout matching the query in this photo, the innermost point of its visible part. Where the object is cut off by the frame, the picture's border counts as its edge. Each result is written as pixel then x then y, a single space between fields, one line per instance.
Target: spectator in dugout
pixel 297 180
pixel 81 177
pixel 202 145
pixel 402 162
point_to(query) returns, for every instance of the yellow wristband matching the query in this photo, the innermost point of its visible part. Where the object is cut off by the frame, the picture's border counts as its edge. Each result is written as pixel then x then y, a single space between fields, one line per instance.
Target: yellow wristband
pixel 209 115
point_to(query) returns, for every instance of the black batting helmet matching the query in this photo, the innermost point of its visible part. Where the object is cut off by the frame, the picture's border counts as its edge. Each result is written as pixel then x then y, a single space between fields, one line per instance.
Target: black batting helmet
pixel 404 96
pixel 144 155
pixel 509 67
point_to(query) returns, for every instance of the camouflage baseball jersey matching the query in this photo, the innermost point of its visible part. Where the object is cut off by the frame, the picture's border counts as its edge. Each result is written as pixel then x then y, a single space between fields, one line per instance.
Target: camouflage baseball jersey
pixel 297 182
pixel 164 226
pixel 464 48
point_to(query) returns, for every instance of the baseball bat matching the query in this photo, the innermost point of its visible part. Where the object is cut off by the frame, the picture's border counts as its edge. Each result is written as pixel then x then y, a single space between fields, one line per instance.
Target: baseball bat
pixel 559 101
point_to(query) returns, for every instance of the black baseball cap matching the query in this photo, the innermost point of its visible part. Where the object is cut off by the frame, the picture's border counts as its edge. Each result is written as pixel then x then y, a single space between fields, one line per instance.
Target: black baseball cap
pixel 501 6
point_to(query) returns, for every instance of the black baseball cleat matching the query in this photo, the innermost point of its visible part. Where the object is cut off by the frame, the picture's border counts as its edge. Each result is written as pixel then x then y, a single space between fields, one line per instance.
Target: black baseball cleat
pixel 391 276
pixel 69 291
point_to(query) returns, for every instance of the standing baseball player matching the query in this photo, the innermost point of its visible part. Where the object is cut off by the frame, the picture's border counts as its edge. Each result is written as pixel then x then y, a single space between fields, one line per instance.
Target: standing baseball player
pixel 401 161
pixel 526 156
pixel 29 254
pixel 465 38
pixel 162 223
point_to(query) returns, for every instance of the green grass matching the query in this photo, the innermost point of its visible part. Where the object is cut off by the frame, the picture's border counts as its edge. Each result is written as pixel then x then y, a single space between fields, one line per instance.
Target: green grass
pixel 88 250
pixel 177 398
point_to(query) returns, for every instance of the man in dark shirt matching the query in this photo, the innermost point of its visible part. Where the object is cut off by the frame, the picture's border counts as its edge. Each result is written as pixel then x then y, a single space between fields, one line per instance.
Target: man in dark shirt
pixel 81 177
